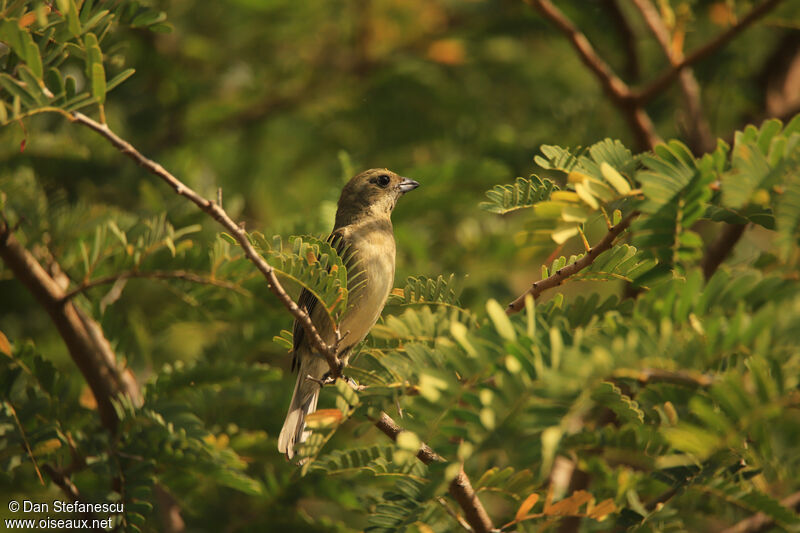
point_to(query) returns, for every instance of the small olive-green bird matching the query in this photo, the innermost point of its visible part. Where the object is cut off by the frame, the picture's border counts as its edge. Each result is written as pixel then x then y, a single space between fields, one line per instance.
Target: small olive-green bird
pixel 363 233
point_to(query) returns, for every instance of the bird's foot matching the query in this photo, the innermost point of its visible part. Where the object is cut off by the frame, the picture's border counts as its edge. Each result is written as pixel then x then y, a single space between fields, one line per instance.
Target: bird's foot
pixel 328 379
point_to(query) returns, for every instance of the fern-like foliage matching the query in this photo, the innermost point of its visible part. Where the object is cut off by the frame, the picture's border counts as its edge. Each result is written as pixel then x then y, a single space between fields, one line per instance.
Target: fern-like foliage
pixel 596 179
pixel 761 158
pixel 609 151
pixel 375 459
pixel 676 190
pixel 526 192
pixel 421 289
pixel 41 38
pixel 312 263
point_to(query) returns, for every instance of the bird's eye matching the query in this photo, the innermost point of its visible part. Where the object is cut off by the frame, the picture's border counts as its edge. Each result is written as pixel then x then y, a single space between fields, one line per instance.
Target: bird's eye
pixel 383 180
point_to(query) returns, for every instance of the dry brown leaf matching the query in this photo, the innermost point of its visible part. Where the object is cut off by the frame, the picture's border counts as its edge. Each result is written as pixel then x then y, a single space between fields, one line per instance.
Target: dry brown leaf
pixel 5 346
pixel 324 418
pixel 526 506
pixel 569 506
pixel 602 509
pixel 447 51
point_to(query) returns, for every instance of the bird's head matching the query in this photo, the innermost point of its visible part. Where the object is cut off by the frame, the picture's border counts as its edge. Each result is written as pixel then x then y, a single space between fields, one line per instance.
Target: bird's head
pixel 373 193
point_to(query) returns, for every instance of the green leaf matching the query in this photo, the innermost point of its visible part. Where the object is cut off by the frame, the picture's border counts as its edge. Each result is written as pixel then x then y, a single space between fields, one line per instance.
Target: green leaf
pixel 524 193
pixel 428 291
pixel 119 78
pixel 70 12
pixel 609 395
pixel 99 82
pixel 26 95
pixel 501 321
pixel 148 18
pixel 33 59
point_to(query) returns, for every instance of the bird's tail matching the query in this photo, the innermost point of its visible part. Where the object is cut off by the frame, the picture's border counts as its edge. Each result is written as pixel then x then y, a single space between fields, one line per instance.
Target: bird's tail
pixel 304 402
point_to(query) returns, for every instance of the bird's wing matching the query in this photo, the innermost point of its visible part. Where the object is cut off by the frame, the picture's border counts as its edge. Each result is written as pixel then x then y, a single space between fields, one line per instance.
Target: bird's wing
pixel 307 301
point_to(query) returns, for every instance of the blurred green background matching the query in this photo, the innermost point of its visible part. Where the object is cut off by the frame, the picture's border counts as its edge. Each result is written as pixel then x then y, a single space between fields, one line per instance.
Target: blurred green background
pixel 278 102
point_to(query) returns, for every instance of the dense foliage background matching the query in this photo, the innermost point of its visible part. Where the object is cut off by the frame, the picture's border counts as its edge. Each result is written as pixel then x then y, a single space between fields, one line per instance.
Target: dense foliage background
pixel 674 407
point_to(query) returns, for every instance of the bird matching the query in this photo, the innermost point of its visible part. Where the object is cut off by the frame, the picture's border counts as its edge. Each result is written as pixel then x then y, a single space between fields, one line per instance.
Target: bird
pixel 364 235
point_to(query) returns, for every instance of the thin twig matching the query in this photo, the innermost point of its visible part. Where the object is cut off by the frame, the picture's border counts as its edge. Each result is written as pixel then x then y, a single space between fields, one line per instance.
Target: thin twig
pixel 647 376
pixel 760 521
pixel 460 488
pixel 25 441
pixel 457 517
pixel 156 274
pixel 220 215
pixel 559 276
pixel 699 130
pixel 68 487
pixel 617 90
pixel 666 78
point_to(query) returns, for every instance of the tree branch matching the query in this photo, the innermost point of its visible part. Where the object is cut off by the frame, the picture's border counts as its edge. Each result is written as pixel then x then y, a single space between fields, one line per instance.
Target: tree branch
pixel 220 215
pixel 666 78
pixel 628 37
pixel 617 90
pixel 155 274
pixel 460 488
pixel 558 277
pixel 87 346
pixel 721 248
pixel 699 130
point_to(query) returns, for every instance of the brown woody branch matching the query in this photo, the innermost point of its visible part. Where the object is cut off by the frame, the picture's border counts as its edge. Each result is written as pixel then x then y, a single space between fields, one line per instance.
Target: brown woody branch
pixel 460 488
pixel 699 130
pixel 220 215
pixel 87 346
pixel 628 37
pixel 619 92
pixel 665 79
pixel 561 275
pixel 721 248
pixel 155 274
pixel 631 102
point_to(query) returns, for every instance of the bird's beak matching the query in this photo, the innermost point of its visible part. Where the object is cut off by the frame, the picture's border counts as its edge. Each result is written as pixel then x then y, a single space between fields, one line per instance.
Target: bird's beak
pixel 407 185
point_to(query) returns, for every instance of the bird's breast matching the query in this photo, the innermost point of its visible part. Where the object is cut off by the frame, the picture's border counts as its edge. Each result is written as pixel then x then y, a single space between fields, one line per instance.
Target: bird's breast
pixel 369 282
